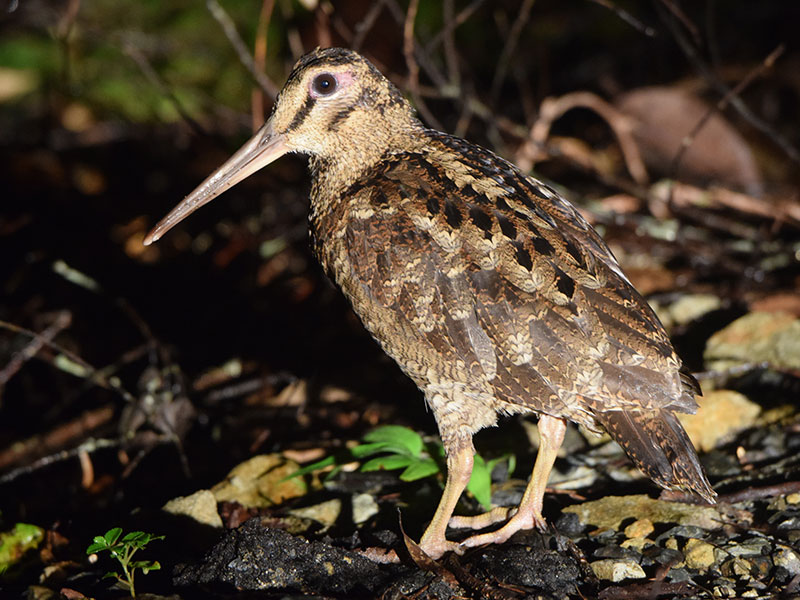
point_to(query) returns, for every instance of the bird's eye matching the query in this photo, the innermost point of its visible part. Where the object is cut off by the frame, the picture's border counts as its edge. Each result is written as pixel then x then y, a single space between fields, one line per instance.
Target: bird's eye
pixel 324 84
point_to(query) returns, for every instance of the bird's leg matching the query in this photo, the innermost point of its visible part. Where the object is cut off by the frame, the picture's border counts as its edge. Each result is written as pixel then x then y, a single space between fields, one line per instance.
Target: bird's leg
pixel 529 513
pixel 459 469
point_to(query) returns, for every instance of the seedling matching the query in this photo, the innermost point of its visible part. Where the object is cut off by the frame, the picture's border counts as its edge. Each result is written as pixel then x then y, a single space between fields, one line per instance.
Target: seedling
pixel 394 447
pixel 123 548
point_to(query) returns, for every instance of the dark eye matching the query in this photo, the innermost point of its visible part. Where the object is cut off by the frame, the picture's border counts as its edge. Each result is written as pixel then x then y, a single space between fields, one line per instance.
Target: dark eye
pixel 324 84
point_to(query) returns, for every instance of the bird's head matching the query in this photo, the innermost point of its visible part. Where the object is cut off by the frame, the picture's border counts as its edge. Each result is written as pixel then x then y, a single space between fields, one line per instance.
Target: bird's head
pixel 335 106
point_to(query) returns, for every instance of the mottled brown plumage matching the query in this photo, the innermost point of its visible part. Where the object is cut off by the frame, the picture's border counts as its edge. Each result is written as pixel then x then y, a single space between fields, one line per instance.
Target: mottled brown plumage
pixel 486 286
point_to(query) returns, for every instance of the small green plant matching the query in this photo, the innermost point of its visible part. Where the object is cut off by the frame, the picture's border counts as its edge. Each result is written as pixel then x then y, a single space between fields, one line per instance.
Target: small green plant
pixel 394 447
pixel 123 548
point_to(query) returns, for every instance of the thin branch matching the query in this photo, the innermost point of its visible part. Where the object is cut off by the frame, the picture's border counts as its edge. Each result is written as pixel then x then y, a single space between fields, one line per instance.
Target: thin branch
pixel 260 60
pixel 552 108
pixel 449 28
pixel 450 54
pixel 364 26
pixel 723 103
pixel 678 13
pixel 421 56
pixel 38 341
pixel 413 66
pixel 627 17
pixel 735 101
pixel 137 56
pixel 510 46
pixel 229 28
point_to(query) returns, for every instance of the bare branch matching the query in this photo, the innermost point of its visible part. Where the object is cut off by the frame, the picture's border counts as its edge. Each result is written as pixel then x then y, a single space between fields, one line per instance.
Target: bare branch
pixel 723 103
pixel 510 46
pixel 229 28
pixel 552 108
pixel 413 66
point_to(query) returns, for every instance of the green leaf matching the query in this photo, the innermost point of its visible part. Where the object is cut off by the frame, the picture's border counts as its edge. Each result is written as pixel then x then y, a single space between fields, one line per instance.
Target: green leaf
pixel 320 464
pixel 480 483
pixel 112 535
pixel 363 450
pixel 146 565
pixel 420 469
pixel 399 439
pixel 387 463
pixel 97 547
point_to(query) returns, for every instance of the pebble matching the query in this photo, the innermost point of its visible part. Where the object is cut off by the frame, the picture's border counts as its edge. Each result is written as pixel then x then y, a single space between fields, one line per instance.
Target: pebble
pixel 615 570
pixel 364 508
pixel 721 414
pixel 325 513
pixel 636 543
pixel 640 528
pixel 788 559
pixel 698 554
pixel 200 506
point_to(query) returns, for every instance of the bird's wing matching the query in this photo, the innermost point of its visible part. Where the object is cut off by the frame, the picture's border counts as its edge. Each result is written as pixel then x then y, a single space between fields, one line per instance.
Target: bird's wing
pixel 508 284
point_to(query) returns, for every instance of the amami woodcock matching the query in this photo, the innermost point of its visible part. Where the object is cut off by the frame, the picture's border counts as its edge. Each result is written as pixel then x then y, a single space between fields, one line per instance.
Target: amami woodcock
pixel 486 286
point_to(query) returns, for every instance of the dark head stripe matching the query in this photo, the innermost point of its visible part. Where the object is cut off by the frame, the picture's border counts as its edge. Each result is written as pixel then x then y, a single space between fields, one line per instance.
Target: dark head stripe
pixel 301 114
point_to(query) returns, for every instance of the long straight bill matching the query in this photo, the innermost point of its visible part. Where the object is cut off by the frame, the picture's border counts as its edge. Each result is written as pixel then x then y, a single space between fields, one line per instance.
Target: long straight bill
pixel 262 149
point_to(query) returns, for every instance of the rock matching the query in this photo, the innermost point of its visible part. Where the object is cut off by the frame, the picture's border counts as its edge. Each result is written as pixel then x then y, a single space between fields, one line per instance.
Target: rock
pixel 756 337
pixel 612 569
pixel 721 414
pixel 200 506
pixel 255 557
pixel 609 512
pixel 686 309
pixel 698 554
pixel 364 508
pixel 788 559
pixel 637 543
pixel 261 482
pixel 518 565
pixel 325 513
pixel 639 529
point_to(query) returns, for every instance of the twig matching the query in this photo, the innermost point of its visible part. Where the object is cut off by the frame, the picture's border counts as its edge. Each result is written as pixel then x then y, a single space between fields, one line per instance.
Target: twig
pixel 58 437
pixel 364 26
pixel 510 46
pixel 229 28
pixel 723 103
pixel 88 446
pixel 769 491
pixel 259 61
pixel 137 56
pixel 425 63
pixel 553 108
pixel 450 54
pixel 685 195
pixel 38 341
pixel 681 16
pixel 449 28
pixel 737 103
pixel 413 66
pixel 323 25
pixel 627 17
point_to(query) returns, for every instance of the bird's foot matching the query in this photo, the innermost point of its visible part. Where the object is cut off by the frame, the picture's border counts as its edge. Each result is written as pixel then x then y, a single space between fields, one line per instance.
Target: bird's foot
pixel 522 519
pixel 436 547
pixel 497 514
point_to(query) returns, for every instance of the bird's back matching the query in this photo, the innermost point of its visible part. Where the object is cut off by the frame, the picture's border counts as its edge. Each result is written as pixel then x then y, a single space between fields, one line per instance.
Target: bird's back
pixel 468 271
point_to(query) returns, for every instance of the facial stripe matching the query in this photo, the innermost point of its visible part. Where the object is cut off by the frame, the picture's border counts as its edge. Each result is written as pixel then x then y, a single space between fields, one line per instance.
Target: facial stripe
pixel 301 114
pixel 339 117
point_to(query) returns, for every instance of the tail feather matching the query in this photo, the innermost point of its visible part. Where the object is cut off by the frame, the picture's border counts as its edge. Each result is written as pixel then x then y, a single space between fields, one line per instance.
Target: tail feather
pixel 658 445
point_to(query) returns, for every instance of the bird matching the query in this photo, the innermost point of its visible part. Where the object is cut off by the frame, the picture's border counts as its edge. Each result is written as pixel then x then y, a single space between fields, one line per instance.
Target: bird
pixel 484 284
